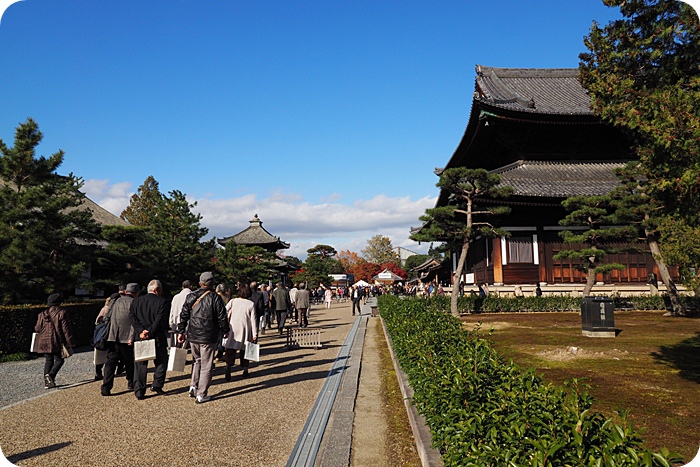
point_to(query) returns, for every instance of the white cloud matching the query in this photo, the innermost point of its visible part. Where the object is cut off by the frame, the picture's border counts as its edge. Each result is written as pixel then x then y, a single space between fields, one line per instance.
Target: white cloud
pixel 301 224
pixel 114 198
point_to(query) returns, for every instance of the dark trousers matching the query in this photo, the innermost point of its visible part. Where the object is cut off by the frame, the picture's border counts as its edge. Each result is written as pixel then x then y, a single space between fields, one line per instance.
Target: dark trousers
pixel 141 370
pixel 118 353
pixel 268 318
pixel 303 317
pixel 356 304
pixel 281 319
pixel 52 363
pixel 232 354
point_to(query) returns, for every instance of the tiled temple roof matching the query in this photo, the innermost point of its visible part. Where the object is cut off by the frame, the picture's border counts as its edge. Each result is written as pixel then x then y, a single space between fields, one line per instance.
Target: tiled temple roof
pixel 99 214
pixel 551 91
pixel 560 179
pixel 256 235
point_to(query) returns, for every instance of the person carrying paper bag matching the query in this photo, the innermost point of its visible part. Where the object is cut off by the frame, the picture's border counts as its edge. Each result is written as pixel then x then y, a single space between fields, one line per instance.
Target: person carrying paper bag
pixel 244 328
pixel 202 318
pixel 149 316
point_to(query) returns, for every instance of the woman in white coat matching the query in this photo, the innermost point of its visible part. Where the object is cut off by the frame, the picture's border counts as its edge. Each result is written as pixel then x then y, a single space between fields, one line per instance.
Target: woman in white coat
pixel 244 328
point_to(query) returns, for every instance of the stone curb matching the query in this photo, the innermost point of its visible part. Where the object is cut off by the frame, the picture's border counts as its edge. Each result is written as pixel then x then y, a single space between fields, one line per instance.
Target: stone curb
pixel 421 433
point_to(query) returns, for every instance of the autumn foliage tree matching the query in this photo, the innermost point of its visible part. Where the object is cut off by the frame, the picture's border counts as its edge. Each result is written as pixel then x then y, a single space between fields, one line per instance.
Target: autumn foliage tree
pixel 348 259
pixel 380 250
pixel 365 271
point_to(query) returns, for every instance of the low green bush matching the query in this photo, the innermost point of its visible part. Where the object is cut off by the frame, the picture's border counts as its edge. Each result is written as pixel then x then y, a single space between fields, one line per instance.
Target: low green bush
pixel 17 323
pixel 554 303
pixel 482 410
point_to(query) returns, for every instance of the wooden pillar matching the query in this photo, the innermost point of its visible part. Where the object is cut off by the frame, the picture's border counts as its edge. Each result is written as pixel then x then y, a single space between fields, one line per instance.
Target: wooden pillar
pixel 497 261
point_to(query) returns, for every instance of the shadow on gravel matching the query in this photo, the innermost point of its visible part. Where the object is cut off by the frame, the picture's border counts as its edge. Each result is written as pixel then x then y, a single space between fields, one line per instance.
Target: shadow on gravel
pixel 37 452
pixel 268 383
pixel 274 376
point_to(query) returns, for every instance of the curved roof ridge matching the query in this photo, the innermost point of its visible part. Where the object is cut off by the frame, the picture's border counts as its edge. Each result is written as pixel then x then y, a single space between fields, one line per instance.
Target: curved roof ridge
pixel 554 91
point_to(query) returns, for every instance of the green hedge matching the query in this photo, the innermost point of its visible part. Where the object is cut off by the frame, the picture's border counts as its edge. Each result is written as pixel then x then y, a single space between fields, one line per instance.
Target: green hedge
pixel 482 410
pixel 17 324
pixel 555 303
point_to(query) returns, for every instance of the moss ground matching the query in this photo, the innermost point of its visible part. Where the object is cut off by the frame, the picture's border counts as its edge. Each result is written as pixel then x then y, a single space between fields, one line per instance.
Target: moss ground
pixel 652 367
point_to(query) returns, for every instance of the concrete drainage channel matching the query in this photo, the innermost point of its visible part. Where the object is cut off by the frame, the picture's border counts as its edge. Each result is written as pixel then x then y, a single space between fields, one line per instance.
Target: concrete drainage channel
pixel 346 371
pixel 327 444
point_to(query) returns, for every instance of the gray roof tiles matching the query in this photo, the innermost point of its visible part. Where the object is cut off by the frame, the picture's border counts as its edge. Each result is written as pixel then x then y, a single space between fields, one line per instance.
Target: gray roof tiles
pixel 560 179
pixel 554 91
pixel 256 234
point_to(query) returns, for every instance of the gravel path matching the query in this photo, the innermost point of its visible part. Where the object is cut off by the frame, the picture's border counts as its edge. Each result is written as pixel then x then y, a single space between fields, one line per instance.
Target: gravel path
pixel 253 421
pixel 25 380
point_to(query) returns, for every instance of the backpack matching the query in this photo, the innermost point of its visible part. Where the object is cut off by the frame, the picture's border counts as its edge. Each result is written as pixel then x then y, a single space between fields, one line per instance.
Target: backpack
pixel 99 336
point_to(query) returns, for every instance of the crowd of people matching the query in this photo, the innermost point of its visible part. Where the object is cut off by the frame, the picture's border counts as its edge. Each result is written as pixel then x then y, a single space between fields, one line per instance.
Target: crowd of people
pixel 206 319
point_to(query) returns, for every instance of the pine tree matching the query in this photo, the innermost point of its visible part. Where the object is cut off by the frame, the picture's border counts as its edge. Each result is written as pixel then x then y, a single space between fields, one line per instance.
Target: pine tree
pixel 463 220
pixel 595 213
pixel 241 264
pixel 175 248
pixel 319 265
pixel 46 241
pixel 635 207
pixel 643 75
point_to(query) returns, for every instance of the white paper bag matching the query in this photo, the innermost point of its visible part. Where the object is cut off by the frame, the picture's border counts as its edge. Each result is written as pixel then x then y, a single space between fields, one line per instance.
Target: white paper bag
pixel 35 342
pixel 99 357
pixel 252 352
pixel 145 350
pixel 177 359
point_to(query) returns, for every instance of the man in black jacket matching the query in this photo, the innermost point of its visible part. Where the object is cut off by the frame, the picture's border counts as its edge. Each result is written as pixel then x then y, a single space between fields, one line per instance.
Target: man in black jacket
pixel 256 297
pixel 149 317
pixel 205 311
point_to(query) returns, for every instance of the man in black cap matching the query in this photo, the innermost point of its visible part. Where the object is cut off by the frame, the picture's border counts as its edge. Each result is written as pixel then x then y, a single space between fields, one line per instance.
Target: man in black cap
pixel 202 319
pixel 149 317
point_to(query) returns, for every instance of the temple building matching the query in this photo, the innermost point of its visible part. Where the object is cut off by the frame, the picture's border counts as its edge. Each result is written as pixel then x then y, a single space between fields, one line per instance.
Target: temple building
pixel 535 128
pixel 256 235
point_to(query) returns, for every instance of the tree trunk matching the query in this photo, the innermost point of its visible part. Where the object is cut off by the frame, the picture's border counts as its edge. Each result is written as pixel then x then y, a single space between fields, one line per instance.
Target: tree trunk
pixel 457 284
pixel 671 289
pixel 590 280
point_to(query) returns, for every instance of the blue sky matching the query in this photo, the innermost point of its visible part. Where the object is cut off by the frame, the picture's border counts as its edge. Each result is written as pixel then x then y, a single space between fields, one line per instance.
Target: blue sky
pixel 326 118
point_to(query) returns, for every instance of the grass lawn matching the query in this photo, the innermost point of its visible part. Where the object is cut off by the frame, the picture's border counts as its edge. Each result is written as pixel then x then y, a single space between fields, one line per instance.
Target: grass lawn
pixel 651 368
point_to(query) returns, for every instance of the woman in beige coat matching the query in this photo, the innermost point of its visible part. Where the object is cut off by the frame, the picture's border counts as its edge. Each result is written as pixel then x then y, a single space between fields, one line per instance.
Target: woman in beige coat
pixel 244 328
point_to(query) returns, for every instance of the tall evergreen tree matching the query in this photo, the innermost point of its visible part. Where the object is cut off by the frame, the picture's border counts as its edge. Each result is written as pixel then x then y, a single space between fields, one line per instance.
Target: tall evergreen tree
pixel 175 247
pixel 46 242
pixel 241 264
pixel 460 222
pixel 635 207
pixel 319 264
pixel 643 75
pixel 123 258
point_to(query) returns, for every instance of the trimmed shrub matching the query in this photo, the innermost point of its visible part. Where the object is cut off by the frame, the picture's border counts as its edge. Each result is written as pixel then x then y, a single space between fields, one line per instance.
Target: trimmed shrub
pixel 482 410
pixel 17 323
pixel 553 303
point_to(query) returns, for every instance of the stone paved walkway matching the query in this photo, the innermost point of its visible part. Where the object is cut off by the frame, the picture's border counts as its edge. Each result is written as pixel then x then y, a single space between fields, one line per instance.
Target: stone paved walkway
pixel 253 421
